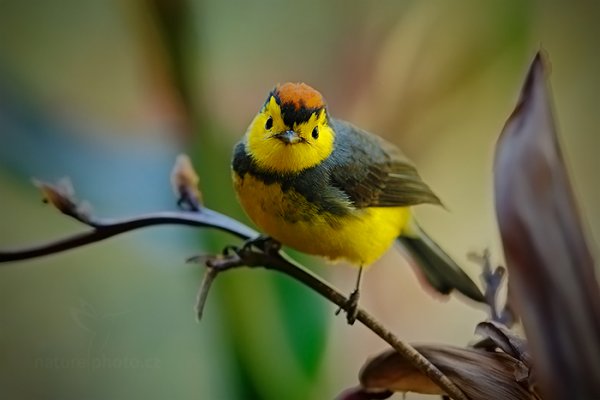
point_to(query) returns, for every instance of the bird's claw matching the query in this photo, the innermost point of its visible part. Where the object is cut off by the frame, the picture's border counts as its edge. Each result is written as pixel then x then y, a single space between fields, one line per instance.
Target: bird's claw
pixel 261 243
pixel 230 249
pixel 265 244
pixel 351 307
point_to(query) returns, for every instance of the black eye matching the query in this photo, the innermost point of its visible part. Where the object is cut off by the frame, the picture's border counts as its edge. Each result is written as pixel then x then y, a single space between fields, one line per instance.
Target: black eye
pixel 269 123
pixel 315 132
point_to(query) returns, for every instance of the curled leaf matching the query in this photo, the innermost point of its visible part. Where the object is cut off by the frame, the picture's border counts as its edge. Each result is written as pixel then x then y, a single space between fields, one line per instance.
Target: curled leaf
pixel 480 374
pixel 360 393
pixel 505 339
pixel 184 181
pixel 552 282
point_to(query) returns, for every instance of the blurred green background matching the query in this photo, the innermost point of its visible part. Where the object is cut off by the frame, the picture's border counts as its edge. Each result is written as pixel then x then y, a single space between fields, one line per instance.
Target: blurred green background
pixel 107 92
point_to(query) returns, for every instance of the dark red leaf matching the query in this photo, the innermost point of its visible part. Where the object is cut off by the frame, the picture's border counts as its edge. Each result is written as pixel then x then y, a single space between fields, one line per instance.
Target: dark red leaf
pixel 551 271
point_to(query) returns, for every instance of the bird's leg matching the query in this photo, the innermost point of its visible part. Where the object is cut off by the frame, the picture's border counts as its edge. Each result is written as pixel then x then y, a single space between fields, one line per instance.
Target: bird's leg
pixel 351 305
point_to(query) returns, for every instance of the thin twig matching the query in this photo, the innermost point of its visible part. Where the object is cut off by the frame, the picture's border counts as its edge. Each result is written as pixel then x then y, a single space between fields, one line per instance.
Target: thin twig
pixel 209 276
pixel 106 228
pixel 272 258
pixel 493 279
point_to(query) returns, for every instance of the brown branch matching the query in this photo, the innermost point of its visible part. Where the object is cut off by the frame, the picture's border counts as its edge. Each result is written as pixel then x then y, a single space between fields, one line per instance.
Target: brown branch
pixel 275 259
pixel 104 229
pixel 271 257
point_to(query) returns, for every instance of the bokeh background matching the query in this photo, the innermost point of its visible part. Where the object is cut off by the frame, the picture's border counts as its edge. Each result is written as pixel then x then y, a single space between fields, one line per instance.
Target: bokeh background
pixel 107 92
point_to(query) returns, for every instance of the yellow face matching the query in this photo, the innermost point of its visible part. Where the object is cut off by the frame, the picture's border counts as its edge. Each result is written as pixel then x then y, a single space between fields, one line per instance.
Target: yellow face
pixel 276 147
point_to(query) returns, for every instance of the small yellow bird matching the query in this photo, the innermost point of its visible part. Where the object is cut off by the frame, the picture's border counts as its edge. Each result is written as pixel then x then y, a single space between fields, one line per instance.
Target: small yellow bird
pixel 325 187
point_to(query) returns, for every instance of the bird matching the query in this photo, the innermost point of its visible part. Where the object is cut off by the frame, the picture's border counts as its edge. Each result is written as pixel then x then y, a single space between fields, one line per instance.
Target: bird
pixel 325 187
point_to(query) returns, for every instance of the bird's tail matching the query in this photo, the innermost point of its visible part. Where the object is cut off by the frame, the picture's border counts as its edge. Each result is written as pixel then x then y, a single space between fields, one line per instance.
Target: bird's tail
pixel 437 267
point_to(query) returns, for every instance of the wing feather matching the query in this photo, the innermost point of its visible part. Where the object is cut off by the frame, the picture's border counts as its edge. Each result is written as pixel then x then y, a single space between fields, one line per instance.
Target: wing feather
pixel 373 172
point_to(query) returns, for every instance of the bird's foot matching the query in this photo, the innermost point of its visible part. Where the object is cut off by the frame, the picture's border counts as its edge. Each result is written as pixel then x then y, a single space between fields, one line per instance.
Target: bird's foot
pixel 265 244
pixel 351 307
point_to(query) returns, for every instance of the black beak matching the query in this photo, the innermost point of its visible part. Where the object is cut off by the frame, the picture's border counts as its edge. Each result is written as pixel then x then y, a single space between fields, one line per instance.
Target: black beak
pixel 289 137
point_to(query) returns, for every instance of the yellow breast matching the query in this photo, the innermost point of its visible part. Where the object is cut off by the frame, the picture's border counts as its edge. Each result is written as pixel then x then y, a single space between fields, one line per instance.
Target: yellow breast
pixel 360 237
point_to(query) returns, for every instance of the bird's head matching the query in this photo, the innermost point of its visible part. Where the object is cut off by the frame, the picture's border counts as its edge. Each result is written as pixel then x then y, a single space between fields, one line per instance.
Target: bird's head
pixel 291 132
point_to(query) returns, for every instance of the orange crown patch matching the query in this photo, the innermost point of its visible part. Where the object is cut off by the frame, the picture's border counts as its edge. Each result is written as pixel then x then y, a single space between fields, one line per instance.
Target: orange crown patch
pixel 299 95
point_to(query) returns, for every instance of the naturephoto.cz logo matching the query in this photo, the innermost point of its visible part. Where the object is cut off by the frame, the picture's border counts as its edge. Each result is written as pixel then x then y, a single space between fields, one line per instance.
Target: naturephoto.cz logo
pixel 99 327
pixel 100 362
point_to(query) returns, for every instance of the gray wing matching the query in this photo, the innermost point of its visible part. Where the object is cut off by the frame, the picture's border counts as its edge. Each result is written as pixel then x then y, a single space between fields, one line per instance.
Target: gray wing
pixel 373 172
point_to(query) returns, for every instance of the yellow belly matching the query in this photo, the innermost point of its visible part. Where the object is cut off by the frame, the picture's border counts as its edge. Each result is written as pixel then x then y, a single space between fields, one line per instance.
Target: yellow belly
pixel 361 237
